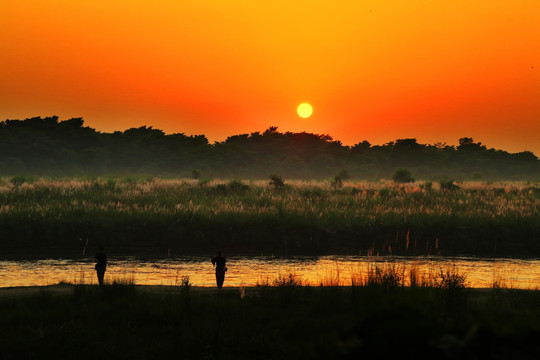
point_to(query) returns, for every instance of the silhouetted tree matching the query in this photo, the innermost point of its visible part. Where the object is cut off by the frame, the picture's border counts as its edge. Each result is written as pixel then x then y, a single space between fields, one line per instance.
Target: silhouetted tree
pixel 47 146
pixel 402 176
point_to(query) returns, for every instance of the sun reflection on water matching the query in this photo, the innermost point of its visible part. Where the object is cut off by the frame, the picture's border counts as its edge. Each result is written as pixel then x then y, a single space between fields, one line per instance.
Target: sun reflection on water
pixel 250 271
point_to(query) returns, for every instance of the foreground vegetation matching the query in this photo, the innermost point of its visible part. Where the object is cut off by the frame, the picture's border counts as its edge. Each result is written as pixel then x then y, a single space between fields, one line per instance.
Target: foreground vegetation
pixel 338 216
pixel 281 320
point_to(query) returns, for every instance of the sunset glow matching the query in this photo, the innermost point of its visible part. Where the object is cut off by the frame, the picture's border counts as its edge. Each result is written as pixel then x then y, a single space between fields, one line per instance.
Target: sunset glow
pixel 377 71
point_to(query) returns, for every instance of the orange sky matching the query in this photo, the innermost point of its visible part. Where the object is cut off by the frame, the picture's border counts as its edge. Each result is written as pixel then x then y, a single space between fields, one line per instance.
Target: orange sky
pixel 373 70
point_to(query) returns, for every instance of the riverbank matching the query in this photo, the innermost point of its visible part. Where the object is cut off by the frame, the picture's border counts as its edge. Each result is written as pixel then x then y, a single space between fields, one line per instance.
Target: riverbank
pixel 69 289
pixel 285 321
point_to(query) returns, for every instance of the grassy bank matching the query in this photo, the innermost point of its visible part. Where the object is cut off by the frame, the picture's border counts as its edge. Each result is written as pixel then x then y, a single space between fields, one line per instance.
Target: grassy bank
pixel 279 321
pixel 501 219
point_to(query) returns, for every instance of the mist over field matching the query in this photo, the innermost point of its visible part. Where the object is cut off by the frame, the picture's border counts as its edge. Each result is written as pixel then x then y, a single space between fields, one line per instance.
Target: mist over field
pixel 151 215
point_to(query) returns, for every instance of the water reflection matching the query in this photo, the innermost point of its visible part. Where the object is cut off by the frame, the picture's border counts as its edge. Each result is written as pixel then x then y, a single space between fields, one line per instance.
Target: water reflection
pixel 250 271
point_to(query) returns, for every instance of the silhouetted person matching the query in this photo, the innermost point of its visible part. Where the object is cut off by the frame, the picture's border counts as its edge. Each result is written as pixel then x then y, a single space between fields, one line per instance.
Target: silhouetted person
pixel 219 263
pixel 101 265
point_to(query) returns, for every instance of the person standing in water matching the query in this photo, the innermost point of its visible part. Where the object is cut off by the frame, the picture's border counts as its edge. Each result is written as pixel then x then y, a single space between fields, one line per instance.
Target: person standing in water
pixel 219 263
pixel 101 265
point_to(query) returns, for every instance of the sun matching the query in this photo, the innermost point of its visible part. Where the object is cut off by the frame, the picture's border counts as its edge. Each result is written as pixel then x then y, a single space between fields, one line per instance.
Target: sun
pixel 304 110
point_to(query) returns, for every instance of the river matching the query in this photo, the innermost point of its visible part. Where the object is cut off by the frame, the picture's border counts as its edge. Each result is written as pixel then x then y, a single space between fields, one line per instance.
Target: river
pixel 251 271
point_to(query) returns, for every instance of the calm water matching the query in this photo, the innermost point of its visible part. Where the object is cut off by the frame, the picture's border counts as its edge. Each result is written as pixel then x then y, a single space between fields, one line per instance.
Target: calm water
pixel 250 271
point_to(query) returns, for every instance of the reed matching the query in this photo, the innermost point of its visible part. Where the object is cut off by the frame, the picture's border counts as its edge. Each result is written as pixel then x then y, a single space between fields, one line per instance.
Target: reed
pixel 302 216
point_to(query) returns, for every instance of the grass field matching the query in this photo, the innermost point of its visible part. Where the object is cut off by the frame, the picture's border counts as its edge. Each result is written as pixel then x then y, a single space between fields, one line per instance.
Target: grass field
pixel 243 217
pixel 280 320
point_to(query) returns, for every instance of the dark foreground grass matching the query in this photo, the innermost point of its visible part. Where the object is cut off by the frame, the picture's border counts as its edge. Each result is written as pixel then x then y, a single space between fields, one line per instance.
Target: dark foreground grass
pixel 285 321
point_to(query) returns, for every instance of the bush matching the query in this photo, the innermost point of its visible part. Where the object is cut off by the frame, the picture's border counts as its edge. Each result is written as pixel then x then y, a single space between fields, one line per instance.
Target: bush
pixel 336 182
pixel 17 180
pixel 452 285
pixel 287 281
pixel 386 193
pixel 402 176
pixel 185 289
pixel 276 181
pixel 428 185
pixel 110 184
pixel 237 186
pixel 232 188
pixel 448 185
pixel 389 276
pixel 204 181
pixel 220 189
pixel 450 279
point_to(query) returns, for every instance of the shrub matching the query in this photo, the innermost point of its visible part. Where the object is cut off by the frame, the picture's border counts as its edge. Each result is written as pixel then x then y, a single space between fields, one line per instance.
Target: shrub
pixel 185 289
pixel 450 279
pixel 204 181
pixel 402 176
pixel 389 276
pixel 385 193
pixel 336 182
pixel 110 184
pixel 287 281
pixel 237 186
pixel 448 185
pixel 452 296
pixel 276 181
pixel 220 189
pixel 17 180
pixel 428 185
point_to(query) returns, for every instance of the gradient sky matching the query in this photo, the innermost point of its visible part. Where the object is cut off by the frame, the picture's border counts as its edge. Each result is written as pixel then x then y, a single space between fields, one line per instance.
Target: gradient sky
pixel 373 70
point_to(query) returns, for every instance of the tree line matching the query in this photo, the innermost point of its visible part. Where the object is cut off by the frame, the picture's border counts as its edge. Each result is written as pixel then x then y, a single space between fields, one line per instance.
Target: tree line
pixel 49 147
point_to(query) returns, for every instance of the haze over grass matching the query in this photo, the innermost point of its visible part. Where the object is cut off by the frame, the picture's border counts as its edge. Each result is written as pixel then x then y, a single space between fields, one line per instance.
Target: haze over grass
pixel 249 217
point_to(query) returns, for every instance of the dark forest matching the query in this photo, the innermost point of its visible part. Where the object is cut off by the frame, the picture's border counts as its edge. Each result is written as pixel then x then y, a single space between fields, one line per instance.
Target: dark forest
pixel 49 147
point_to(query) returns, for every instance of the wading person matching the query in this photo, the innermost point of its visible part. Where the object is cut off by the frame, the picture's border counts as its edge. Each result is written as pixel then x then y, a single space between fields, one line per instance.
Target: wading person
pixel 219 263
pixel 101 264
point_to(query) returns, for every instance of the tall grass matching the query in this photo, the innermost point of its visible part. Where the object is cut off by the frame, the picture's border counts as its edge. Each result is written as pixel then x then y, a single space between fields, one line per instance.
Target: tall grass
pixel 301 216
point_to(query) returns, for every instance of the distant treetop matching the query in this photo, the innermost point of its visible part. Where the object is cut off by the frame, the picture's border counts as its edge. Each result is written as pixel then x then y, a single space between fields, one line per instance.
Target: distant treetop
pixel 47 146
